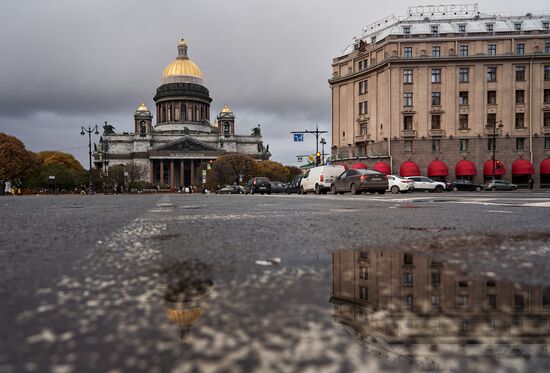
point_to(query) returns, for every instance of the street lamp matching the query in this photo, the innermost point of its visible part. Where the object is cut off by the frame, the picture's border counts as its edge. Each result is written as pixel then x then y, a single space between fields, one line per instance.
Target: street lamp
pixel 323 143
pixel 89 131
pixel 500 125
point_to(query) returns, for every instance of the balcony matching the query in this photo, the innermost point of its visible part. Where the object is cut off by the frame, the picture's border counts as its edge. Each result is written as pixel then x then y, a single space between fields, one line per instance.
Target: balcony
pixel 408 133
pixel 437 133
pixel 546 130
pixel 362 138
pixel 489 131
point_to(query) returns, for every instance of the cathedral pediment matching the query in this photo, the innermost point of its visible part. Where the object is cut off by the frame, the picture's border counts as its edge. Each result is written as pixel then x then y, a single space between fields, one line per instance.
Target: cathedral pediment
pixel 187 145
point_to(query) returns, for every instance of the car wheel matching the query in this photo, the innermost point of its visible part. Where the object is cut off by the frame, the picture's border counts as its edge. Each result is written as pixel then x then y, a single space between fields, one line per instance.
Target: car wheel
pixel 381 192
pixel 478 188
pixel 513 188
pixel 439 189
pixel 493 189
pixel 353 189
pixel 317 189
pixel 302 190
pixel 333 189
pixel 395 189
pixel 455 189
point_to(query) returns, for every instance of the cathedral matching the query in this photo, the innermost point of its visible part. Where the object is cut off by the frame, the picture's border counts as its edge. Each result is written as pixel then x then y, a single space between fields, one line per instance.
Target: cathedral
pixel 175 150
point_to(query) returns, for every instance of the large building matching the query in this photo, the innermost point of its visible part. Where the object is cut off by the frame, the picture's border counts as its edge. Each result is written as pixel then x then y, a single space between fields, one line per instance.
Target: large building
pixel 439 84
pixel 176 148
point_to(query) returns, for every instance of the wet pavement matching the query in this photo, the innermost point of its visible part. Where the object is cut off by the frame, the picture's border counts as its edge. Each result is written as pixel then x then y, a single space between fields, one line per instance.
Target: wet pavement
pixel 419 282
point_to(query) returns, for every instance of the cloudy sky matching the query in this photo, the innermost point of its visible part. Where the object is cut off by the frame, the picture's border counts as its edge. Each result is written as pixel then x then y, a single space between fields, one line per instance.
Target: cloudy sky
pixel 65 64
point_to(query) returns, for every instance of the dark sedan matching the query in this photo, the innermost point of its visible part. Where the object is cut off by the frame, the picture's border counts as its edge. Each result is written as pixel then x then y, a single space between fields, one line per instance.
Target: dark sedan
pixel 229 189
pixel 295 184
pixel 278 187
pixel 357 181
pixel 465 185
pixel 258 185
pixel 500 185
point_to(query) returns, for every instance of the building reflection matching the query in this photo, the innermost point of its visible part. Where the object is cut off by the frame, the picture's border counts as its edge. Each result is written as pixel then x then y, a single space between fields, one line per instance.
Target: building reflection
pixel 405 306
pixel 188 286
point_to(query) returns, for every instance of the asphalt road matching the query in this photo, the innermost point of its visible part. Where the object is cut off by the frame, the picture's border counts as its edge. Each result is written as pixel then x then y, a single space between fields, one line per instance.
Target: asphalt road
pixel 170 282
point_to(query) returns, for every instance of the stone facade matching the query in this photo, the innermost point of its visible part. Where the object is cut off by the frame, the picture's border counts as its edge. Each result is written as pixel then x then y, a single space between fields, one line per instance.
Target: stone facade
pixel 418 79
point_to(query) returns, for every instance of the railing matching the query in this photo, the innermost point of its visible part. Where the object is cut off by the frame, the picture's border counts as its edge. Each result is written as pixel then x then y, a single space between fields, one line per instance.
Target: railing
pixel 408 133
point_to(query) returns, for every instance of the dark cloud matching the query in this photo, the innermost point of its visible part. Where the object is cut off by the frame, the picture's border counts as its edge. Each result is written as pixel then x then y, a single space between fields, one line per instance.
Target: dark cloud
pixel 67 63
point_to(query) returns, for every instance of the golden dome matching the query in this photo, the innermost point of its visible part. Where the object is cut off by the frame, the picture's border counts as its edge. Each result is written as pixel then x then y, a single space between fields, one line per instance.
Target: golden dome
pixel 142 107
pixel 182 67
pixel 226 109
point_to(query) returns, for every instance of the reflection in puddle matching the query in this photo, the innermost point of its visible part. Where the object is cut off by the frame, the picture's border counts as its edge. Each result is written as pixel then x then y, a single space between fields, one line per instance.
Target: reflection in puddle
pixel 188 285
pixel 410 308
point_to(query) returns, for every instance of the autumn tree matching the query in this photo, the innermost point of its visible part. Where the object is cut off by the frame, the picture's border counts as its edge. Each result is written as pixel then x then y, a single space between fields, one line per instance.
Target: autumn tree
pixel 273 170
pixel 16 162
pixel 227 168
pixel 66 159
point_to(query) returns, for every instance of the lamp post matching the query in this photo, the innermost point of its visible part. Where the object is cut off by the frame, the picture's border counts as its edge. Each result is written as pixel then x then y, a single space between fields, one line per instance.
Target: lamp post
pixel 500 125
pixel 89 131
pixel 323 143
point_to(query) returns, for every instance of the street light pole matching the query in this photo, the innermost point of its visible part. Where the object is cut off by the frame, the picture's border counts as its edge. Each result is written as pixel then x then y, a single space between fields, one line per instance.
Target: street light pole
pixel 495 145
pixel 323 143
pixel 89 131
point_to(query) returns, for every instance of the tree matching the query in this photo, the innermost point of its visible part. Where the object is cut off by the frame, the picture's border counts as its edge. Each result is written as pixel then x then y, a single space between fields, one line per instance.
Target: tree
pixel 16 162
pixel 273 170
pixel 52 156
pixel 227 168
pixel 293 171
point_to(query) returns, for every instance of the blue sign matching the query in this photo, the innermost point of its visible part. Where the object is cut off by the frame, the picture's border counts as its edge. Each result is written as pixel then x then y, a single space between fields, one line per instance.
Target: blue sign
pixel 298 137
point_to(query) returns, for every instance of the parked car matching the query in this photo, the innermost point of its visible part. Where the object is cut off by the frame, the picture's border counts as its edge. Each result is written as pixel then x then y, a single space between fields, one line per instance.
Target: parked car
pixel 398 184
pixel 357 181
pixel 465 185
pixel 229 189
pixel 319 179
pixel 278 187
pixel 425 183
pixel 295 184
pixel 258 185
pixel 500 185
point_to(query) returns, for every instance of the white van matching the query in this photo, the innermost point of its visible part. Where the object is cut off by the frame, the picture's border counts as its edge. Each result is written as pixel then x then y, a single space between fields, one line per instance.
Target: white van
pixel 319 179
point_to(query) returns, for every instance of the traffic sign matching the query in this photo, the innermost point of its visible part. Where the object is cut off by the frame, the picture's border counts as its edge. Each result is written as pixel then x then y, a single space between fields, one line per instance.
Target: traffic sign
pixel 298 137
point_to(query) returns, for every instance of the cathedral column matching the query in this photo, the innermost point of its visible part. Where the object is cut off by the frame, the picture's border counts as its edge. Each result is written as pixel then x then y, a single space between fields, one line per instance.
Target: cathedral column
pixel 171 175
pixel 151 171
pixel 182 169
pixel 161 181
pixel 192 171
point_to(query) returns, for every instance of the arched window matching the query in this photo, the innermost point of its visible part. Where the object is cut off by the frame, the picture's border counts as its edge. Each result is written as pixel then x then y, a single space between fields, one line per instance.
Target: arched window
pixel 142 127
pixel 226 128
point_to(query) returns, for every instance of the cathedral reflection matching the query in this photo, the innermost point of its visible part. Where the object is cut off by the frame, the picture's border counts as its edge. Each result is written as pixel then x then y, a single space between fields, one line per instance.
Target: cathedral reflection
pixel 188 286
pixel 404 306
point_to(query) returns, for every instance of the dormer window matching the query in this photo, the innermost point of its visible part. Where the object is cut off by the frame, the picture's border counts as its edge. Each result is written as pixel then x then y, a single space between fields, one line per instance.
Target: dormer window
pixel 546 25
pixel 373 39
pixel 517 26
pixel 461 28
pixel 434 29
pixel 489 27
pixel 406 30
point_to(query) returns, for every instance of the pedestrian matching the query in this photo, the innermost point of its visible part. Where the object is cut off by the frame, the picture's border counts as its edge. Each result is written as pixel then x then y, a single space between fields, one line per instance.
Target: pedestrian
pixel 531 182
pixel 1 187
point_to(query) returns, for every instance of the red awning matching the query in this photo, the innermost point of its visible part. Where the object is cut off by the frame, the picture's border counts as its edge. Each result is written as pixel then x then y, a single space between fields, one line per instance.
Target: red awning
pixel 438 168
pixel 359 166
pixel 382 167
pixel 409 168
pixel 465 168
pixel 488 168
pixel 545 167
pixel 522 167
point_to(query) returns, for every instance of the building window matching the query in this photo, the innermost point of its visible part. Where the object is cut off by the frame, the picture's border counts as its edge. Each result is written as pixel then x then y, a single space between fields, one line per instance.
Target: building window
pixel 406 30
pixel 407 146
pixel 489 27
pixel 520 73
pixel 546 298
pixel 462 301
pixel 407 76
pixel 364 255
pixel 436 145
pixel 491 120
pixel 547 142
pixel 464 50
pixel 407 122
pixel 343 133
pixel 520 49
pixel 363 273
pixel 491 301
pixel 519 302
pixel 463 145
pixel 363 64
pixel 373 39
pixel 546 47
pixel 463 74
pixel 463 121
pixel 407 52
pixel 363 87
pixel 363 293
pixel 547 96
pixel 407 99
pixel 407 279
pixel 492 49
pixel 436 51
pixel 408 259
pixel 434 29
pixel 491 97
pixel 408 302
pixel 436 302
pixel 545 25
pixel 520 96
pixel 547 72
pixel 436 98
pixel 462 28
pixel 463 98
pixel 436 122
pixel 363 107
pixel 520 120
pixel 436 75
pixel 491 74
pixel 517 26
pixel 520 143
pixel 142 127
pixel 363 128
pixel 436 279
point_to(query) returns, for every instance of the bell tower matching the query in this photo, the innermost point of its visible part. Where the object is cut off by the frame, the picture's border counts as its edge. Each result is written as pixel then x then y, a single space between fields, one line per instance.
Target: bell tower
pixel 226 121
pixel 143 120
